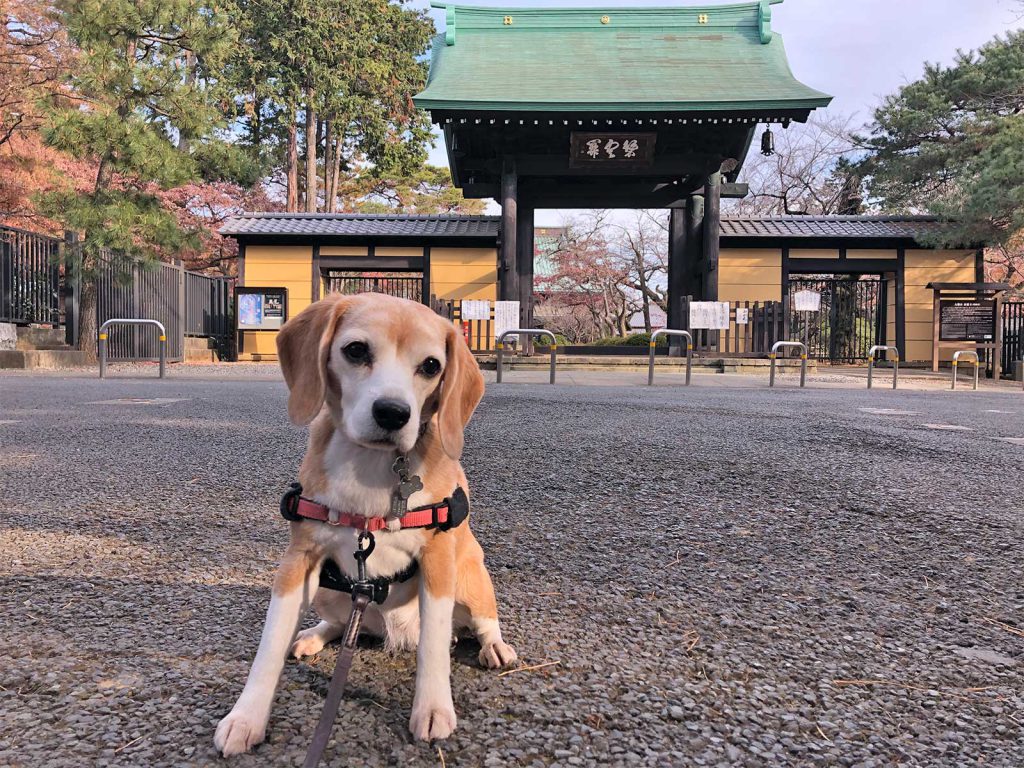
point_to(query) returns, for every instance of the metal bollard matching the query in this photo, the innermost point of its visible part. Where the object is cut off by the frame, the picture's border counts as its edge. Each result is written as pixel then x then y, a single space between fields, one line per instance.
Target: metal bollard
pixel 689 353
pixel 895 362
pixel 803 360
pixel 103 354
pixel 977 365
pixel 500 348
pixel 102 341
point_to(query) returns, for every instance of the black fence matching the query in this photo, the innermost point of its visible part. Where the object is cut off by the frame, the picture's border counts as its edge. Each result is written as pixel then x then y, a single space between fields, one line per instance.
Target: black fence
pixel 1013 335
pixel 405 285
pixel 142 293
pixel 30 278
pixel 850 321
pixel 187 303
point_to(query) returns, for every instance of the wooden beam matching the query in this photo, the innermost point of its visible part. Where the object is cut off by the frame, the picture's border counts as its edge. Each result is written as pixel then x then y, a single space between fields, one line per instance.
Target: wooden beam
pixel 735 191
pixel 508 283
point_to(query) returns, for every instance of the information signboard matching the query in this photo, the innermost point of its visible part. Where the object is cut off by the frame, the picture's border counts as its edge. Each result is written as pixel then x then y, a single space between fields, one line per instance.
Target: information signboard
pixel 742 316
pixel 967 320
pixel 261 309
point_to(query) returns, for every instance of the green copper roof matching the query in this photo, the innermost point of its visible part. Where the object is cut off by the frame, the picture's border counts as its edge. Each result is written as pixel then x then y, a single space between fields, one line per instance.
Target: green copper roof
pixel 708 58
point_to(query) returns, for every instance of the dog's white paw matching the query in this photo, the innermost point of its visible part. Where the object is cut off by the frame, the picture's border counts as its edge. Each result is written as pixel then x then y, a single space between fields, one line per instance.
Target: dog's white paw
pixel 497 655
pixel 432 720
pixel 238 733
pixel 308 643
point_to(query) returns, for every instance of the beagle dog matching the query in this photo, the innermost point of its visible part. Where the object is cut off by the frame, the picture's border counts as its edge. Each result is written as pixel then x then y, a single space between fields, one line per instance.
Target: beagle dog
pixel 376 377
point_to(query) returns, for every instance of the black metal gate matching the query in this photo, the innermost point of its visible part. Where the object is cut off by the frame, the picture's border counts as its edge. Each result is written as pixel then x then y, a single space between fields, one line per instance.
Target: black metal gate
pixel 1013 335
pixel 405 285
pixel 851 318
pixel 30 279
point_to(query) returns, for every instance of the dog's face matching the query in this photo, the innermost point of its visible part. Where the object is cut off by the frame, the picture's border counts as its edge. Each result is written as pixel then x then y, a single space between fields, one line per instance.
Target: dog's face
pixel 383 365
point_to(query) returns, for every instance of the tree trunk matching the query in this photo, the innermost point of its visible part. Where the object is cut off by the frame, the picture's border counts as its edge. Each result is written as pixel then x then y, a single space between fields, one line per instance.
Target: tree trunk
pixel 328 154
pixel 292 166
pixel 185 142
pixel 335 171
pixel 311 175
pixel 87 317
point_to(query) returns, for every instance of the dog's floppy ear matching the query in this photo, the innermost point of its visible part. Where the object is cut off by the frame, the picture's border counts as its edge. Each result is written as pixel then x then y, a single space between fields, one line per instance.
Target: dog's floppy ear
pixel 462 386
pixel 303 348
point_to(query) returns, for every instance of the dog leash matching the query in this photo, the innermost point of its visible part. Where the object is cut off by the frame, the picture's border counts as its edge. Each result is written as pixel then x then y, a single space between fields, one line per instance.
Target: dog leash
pixel 362 595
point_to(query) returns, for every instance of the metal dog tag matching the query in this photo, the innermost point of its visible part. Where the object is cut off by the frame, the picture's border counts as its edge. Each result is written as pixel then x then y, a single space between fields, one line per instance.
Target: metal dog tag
pixel 400 496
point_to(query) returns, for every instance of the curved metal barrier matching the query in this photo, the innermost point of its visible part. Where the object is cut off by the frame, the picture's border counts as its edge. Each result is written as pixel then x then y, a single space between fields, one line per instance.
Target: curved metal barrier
pixel 689 352
pixel 803 360
pixel 500 346
pixel 977 364
pixel 127 321
pixel 895 362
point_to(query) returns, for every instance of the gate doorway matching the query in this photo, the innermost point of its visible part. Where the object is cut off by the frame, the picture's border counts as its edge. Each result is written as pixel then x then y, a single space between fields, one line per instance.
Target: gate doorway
pixel 404 285
pixel 851 319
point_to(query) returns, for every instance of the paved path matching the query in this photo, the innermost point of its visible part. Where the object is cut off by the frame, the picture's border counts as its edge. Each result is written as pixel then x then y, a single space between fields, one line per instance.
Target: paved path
pixel 723 574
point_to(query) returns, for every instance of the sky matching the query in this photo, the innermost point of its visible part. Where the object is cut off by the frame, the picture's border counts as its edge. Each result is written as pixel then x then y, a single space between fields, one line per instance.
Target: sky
pixel 856 50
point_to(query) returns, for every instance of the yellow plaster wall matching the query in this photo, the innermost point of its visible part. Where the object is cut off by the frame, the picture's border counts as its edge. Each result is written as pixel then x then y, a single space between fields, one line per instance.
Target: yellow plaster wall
pixel 750 274
pixel 344 250
pixel 866 253
pixel 923 267
pixel 814 253
pixel 464 273
pixel 272 266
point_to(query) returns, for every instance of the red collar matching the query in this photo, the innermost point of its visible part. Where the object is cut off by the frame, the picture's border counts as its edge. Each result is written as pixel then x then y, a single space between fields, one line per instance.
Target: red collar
pixel 446 514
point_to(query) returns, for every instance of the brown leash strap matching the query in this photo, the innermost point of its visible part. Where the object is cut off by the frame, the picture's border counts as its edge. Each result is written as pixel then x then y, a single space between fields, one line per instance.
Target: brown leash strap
pixel 336 688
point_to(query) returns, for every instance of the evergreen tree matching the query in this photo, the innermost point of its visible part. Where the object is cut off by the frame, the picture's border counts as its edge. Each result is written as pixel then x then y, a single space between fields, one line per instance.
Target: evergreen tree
pixel 143 81
pixel 952 143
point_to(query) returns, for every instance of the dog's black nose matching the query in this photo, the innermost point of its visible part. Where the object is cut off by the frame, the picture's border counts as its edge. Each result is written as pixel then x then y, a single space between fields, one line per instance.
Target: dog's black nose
pixel 391 414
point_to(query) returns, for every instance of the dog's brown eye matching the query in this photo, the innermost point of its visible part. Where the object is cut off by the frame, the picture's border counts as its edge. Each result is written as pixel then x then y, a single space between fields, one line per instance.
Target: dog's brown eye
pixel 357 352
pixel 430 367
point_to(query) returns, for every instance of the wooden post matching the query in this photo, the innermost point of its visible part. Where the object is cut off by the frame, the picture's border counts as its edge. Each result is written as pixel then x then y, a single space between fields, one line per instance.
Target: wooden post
pixel 72 287
pixel 693 247
pixel 678 269
pixel 712 222
pixel 508 283
pixel 524 266
pixel 425 290
pixel 901 306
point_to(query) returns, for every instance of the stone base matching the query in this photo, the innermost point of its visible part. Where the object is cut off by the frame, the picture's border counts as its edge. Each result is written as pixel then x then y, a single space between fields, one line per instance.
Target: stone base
pixel 28 359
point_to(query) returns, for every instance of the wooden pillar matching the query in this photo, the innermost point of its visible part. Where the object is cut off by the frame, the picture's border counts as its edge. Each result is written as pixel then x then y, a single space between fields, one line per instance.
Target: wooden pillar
pixel 678 270
pixel 712 222
pixel 524 264
pixel 901 305
pixel 694 224
pixel 508 283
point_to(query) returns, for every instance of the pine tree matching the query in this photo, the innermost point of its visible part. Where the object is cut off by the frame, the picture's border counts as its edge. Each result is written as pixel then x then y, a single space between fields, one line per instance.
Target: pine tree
pixel 145 85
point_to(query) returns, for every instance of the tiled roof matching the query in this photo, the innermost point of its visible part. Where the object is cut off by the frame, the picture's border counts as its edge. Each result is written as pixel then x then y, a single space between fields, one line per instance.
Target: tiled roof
pixel 880 227
pixel 361 225
pixel 551 59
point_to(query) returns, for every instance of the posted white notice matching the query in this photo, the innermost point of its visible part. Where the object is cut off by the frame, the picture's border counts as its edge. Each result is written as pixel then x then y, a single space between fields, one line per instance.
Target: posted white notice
pixel 807 301
pixel 506 317
pixel 712 315
pixel 742 315
pixel 476 309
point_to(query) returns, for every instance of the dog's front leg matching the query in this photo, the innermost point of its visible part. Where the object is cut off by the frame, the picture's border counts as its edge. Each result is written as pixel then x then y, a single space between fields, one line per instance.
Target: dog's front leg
pixel 245 726
pixel 433 714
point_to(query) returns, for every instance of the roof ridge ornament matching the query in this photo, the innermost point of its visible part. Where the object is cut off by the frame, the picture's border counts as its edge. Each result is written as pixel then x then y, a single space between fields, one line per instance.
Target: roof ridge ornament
pixel 449 25
pixel 764 20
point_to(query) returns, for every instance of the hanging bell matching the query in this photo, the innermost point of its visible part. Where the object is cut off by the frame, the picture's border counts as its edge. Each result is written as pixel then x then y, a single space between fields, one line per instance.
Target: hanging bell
pixel 767 143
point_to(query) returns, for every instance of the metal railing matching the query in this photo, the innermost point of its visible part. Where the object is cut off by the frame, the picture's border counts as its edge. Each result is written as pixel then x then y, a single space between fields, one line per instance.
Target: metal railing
pixel 803 360
pixel 500 346
pixel 895 362
pixel 689 352
pixel 127 321
pixel 977 364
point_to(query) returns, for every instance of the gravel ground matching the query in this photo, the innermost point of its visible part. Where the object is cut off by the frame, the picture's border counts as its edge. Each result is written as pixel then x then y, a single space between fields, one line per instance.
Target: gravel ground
pixel 716 576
